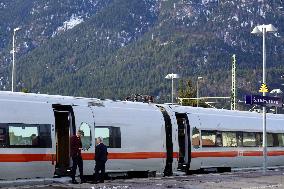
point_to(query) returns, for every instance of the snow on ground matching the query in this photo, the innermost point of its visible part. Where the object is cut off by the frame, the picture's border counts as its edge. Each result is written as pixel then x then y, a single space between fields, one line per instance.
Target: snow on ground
pixel 69 24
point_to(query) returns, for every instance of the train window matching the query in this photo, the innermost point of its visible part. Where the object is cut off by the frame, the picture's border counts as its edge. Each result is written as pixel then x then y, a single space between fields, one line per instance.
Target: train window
pixel 104 133
pixel 87 138
pixel 195 138
pixel 219 139
pixel 29 135
pixel 239 138
pixel 208 138
pixel 258 138
pixel 270 140
pixel 275 140
pixel 110 135
pixel 23 136
pixel 44 136
pixel 280 139
pixel 249 139
pixel 229 139
pixel 2 137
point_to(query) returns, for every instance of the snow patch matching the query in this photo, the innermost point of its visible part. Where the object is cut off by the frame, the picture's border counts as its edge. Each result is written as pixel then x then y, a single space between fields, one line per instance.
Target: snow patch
pixel 235 18
pixel 69 24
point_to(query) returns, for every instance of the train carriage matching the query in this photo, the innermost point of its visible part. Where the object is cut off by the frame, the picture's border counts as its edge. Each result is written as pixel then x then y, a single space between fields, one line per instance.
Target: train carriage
pixel 35 131
pixel 225 139
pixel 20 152
pixel 135 136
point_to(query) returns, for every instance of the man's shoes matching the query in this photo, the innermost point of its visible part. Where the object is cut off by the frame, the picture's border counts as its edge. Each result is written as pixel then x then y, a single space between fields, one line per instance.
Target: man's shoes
pixel 82 181
pixel 101 181
pixel 74 182
pixel 94 182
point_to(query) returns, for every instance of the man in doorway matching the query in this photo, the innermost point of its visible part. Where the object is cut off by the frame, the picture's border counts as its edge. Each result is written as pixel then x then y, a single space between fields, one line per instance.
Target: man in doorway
pixel 75 152
pixel 100 158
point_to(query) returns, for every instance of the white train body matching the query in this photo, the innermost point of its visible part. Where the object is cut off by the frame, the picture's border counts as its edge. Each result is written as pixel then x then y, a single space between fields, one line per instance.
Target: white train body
pixel 234 122
pixel 35 132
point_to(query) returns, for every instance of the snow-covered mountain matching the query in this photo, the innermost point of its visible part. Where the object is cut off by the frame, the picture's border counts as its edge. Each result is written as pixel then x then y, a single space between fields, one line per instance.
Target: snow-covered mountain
pixel 110 48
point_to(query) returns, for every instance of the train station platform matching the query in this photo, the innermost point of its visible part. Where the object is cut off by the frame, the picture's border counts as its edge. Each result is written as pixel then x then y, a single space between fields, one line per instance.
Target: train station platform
pixel 273 179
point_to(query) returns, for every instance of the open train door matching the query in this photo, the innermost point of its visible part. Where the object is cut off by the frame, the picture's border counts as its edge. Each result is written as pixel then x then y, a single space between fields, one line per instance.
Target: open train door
pixel 168 170
pixel 64 129
pixel 184 142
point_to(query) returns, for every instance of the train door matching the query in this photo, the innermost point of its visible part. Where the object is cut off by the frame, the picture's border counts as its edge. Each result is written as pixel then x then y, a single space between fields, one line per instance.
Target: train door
pixel 184 141
pixel 168 171
pixel 64 128
pixel 85 122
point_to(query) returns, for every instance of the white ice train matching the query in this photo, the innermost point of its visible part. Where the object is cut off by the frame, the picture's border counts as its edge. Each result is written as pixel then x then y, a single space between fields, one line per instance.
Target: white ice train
pixel 35 131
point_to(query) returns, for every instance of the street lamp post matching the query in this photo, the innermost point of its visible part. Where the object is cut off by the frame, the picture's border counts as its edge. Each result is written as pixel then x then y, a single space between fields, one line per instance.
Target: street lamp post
pixel 263 29
pixel 197 91
pixel 13 51
pixel 172 77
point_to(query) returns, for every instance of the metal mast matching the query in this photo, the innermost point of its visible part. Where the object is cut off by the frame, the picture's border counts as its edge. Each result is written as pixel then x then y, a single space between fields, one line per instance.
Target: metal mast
pixel 233 90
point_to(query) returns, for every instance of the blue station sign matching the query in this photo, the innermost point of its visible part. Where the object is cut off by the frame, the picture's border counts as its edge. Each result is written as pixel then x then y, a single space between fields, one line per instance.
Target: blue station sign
pixel 263 101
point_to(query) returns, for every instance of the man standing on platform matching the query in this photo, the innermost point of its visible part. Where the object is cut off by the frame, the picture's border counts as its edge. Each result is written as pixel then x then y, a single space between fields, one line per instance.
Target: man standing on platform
pixel 100 158
pixel 75 152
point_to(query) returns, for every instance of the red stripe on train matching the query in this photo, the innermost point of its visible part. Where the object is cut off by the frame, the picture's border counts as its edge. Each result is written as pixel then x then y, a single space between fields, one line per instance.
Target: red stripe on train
pixel 86 156
pixel 133 155
pixel 25 157
pixel 214 154
pixel 234 154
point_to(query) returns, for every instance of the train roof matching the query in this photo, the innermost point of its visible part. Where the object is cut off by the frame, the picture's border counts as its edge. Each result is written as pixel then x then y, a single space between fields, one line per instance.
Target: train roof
pixel 69 100
pixel 225 112
pixel 82 101
pixel 45 98
pixel 231 120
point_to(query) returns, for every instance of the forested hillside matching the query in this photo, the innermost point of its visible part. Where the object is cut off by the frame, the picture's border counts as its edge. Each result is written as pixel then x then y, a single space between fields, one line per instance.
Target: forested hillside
pixel 123 47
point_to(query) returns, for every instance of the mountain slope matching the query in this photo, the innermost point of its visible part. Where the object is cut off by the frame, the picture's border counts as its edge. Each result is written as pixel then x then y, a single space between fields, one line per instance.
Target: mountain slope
pixel 130 45
pixel 39 21
pixel 88 44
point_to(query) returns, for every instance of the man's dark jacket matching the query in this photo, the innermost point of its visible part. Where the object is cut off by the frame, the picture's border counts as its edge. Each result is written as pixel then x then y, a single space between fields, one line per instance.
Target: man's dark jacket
pixel 101 153
pixel 75 144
